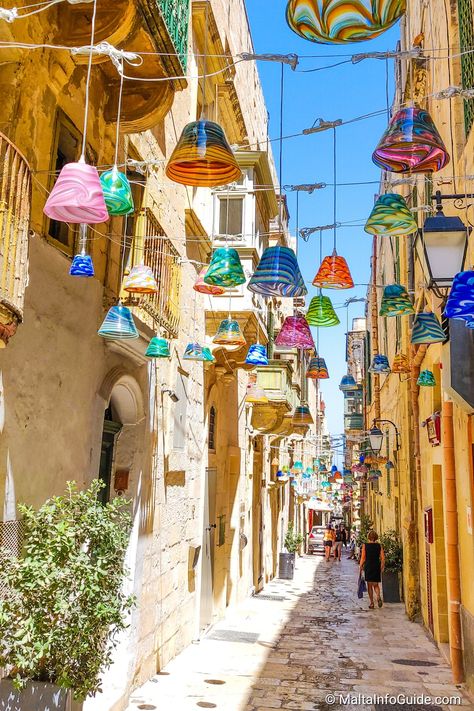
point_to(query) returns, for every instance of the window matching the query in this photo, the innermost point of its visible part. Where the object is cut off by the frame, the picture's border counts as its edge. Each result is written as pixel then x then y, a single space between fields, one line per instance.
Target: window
pixel 466 42
pixel 67 149
pixel 179 412
pixel 231 212
pixel 212 429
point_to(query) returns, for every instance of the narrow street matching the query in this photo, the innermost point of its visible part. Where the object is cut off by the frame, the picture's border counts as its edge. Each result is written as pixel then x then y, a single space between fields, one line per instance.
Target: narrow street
pixel 299 641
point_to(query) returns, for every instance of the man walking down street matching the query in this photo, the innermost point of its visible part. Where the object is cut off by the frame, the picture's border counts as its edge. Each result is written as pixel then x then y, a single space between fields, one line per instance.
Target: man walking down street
pixel 340 538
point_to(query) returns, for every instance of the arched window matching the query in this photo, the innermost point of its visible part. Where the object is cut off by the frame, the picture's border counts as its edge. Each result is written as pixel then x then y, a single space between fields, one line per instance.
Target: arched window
pixel 212 429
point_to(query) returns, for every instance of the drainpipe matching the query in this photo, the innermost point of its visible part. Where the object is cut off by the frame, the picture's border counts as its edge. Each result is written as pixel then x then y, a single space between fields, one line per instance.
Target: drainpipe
pixel 452 543
pixel 375 325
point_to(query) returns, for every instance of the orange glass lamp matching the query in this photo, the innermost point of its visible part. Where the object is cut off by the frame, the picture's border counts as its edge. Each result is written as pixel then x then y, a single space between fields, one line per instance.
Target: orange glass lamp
pixel 203 157
pixel 333 273
pixel 400 364
pixel 302 416
pixel 140 280
pixel 229 333
pixel 202 288
pixel 317 369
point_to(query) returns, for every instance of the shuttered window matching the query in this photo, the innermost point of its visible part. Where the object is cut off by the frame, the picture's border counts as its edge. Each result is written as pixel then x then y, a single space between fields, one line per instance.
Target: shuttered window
pixel 466 41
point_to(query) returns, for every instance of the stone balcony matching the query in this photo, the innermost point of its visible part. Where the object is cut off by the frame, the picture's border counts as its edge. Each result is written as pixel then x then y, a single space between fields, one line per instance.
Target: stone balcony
pixel 276 416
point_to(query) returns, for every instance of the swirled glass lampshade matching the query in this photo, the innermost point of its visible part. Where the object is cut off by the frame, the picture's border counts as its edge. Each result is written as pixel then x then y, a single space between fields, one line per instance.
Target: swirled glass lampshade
pixel 400 364
pixel 255 394
pixel 257 355
pixel 295 333
pixel 333 273
pixel 158 348
pixel 395 301
pixel 194 351
pixel 118 324
pixel 225 269
pixel 82 266
pixel 460 303
pixel 321 312
pixel 203 157
pixel 427 329
pixel 411 143
pixel 426 379
pixel 77 196
pixel 391 216
pixel 140 280
pixel 278 274
pixel 203 288
pixel 302 416
pixel 347 383
pixel 229 334
pixel 341 22
pixel 379 365
pixel 317 369
pixel 117 192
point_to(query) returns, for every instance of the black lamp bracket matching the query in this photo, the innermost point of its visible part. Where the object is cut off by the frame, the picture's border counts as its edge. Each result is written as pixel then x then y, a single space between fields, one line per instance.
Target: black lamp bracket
pixel 461 201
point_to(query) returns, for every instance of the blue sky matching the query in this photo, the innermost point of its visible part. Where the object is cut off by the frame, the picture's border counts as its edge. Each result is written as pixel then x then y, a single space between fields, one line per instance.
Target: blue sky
pixel 343 92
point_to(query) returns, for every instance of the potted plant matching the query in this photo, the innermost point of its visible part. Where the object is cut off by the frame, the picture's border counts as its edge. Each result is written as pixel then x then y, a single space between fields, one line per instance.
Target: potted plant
pixel 287 560
pixel 392 546
pixel 64 603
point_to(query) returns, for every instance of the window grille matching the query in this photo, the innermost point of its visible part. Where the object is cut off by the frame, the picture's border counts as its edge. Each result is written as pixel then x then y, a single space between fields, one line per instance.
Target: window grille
pixel 466 42
pixel 212 429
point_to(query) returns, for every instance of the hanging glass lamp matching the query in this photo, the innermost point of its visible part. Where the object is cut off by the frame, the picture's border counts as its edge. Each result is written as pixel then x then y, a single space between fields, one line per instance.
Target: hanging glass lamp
pixel 255 394
pixel 391 216
pixel 229 333
pixel 194 351
pixel 257 355
pixel 302 416
pixel 426 379
pixel 140 280
pixel 118 324
pixel 400 364
pixel 333 273
pixel 411 143
pixel 82 266
pixel 203 157
pixel 295 333
pixel 460 303
pixel 336 22
pixel 225 269
pixel 77 196
pixel 317 369
pixel 158 348
pixel 278 274
pixel 203 288
pixel 395 301
pixel 117 192
pixel 347 383
pixel 321 312
pixel 427 329
pixel 379 365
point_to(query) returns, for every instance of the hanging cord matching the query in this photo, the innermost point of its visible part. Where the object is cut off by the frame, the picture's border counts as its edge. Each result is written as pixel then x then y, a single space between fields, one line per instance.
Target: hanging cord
pixel 387 83
pixel 119 110
pixel 335 186
pixel 88 80
pixel 282 93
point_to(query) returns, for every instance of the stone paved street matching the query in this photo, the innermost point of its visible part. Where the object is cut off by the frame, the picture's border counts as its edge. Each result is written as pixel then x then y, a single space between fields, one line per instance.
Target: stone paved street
pixel 289 654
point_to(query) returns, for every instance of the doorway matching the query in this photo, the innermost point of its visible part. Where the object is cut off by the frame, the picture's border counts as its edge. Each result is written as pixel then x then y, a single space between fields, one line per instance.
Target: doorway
pixel 208 544
pixel 109 434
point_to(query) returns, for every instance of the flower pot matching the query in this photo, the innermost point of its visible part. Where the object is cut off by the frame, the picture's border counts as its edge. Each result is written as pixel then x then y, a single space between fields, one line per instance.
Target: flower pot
pixel 36 696
pixel 286 566
pixel 391 586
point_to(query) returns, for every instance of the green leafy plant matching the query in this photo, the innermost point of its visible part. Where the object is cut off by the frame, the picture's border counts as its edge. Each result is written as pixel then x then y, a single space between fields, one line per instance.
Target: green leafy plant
pixel 65 603
pixel 365 527
pixel 292 540
pixel 393 549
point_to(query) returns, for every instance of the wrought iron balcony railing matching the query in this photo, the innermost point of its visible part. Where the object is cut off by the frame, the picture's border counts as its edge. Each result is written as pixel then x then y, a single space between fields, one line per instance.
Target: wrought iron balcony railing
pixel 15 198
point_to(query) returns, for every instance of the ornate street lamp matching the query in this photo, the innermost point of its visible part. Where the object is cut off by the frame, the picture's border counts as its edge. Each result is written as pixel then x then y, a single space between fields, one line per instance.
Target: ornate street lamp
pixel 445 243
pixel 376 436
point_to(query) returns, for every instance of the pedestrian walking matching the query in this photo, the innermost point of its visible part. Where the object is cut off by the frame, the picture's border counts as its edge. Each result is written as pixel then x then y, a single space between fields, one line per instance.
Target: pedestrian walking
pixel 372 563
pixel 340 538
pixel 352 546
pixel 328 540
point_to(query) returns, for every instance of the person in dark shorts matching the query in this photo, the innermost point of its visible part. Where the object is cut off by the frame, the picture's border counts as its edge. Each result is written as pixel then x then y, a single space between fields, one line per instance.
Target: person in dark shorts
pixel 372 562
pixel 328 541
pixel 340 538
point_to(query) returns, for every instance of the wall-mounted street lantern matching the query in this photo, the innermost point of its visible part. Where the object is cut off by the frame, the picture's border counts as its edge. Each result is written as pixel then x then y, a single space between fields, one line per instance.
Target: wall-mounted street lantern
pixel 445 243
pixel 376 436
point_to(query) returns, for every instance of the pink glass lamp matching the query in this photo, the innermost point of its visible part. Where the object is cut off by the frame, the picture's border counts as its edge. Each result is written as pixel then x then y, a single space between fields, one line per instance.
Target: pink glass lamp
pixel 77 196
pixel 295 333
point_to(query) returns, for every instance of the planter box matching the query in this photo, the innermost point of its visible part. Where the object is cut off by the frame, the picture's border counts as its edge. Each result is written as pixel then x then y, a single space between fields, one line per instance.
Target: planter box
pixel 391 587
pixel 36 696
pixel 286 566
